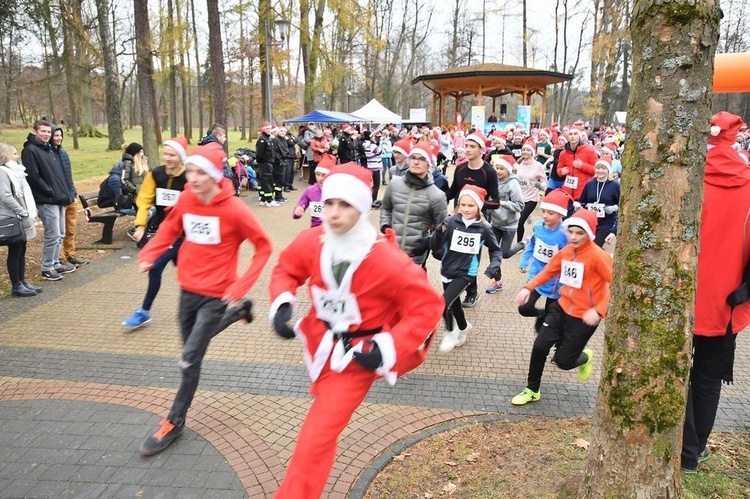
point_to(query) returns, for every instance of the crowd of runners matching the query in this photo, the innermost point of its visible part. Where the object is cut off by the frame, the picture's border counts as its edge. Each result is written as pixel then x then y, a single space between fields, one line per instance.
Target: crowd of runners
pixel 368 320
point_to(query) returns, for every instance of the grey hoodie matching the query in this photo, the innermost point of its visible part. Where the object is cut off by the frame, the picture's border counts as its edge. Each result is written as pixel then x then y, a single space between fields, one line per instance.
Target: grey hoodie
pixel 511 203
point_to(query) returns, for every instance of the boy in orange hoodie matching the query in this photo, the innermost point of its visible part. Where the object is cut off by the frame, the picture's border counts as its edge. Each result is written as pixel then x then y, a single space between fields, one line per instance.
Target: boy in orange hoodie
pixel 585 275
pixel 215 223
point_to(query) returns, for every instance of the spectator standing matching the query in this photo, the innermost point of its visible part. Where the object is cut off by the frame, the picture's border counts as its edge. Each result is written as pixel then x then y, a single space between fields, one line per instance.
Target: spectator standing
pixel 134 167
pixel 264 156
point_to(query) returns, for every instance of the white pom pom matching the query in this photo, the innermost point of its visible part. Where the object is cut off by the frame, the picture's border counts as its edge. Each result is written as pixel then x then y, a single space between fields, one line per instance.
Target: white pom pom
pixel 715 130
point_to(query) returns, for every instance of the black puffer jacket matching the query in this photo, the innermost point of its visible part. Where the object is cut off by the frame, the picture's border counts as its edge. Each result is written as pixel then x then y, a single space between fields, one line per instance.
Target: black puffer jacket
pixel 45 174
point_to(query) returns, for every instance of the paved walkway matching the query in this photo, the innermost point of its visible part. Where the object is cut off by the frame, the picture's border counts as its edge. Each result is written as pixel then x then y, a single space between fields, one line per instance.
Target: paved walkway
pixel 78 392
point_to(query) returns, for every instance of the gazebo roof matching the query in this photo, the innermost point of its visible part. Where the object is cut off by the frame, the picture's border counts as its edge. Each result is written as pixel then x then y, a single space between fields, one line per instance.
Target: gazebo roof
pixel 493 79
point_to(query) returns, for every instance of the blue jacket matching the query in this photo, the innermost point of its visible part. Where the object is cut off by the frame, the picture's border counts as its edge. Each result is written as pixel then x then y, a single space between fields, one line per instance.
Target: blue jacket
pixel 609 195
pixel 459 264
pixel 554 241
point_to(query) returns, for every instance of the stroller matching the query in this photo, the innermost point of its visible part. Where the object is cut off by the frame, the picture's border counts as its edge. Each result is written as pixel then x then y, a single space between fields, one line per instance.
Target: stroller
pixel 244 168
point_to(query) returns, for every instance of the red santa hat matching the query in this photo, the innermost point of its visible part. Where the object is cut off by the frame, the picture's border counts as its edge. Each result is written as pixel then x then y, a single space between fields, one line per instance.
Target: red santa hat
pixel 179 144
pixel 556 200
pixel 266 127
pixel 423 150
pixel 351 183
pixel 503 160
pixel 609 148
pixel 209 158
pixel 584 219
pixel 479 138
pixel 604 161
pixel 403 146
pixel 476 193
pixel 724 128
pixel 563 137
pixel 544 133
pixel 530 146
pixel 325 164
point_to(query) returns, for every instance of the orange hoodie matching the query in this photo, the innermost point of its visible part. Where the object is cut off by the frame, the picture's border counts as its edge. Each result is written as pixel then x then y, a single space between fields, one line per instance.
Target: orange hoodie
pixel 594 284
pixel 213 234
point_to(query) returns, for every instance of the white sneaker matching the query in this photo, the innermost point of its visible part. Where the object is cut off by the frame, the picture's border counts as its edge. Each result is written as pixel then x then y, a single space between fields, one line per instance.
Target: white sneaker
pixel 449 341
pixel 462 334
pixel 272 204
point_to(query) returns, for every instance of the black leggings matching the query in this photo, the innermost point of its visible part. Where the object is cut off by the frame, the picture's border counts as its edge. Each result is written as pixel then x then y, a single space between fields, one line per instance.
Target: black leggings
pixel 17 262
pixel 601 235
pixel 451 292
pixel 528 207
pixel 375 184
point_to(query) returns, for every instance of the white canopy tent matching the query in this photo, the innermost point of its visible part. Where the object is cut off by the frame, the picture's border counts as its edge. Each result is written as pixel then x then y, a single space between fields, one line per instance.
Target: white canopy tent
pixel 375 112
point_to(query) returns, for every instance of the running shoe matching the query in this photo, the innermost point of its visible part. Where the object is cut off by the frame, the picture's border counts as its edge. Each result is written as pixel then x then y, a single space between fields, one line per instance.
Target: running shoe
pixel 160 440
pixel 526 396
pixel 584 370
pixel 139 318
pixel 494 287
pixel 449 341
pixel 462 334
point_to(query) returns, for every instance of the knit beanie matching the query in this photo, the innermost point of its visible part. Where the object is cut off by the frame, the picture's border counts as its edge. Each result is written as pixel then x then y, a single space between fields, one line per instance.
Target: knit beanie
pixel 133 148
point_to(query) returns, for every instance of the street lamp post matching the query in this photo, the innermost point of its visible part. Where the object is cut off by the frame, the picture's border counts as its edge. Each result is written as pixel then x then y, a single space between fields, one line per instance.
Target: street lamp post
pixel 283 27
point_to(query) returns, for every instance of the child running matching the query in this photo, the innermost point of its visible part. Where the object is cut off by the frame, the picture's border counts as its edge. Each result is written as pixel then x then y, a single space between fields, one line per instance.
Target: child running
pixel 549 237
pixel 313 194
pixel 585 273
pixel 367 320
pixel 457 243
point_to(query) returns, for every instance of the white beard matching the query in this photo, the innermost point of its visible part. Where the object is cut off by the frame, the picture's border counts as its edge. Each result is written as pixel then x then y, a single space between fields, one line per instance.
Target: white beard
pixel 354 245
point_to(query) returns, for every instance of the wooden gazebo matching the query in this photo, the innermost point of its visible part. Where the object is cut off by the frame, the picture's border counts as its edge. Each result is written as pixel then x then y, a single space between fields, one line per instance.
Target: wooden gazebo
pixel 488 80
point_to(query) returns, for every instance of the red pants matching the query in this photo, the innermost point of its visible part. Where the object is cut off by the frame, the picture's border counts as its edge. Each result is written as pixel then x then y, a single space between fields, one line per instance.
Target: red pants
pixel 337 396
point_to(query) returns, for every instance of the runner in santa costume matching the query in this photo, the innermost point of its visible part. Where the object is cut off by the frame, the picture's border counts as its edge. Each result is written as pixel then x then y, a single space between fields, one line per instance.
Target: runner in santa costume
pixel 724 254
pixel 368 319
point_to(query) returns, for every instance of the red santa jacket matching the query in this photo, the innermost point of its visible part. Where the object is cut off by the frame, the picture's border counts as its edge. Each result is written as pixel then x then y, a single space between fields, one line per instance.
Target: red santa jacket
pixel 588 157
pixel 392 293
pixel 724 241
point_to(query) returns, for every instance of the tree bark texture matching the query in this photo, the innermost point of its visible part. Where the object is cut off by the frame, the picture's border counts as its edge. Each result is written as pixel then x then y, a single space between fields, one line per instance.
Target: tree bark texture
pixel 216 55
pixel 146 92
pixel 637 428
pixel 111 79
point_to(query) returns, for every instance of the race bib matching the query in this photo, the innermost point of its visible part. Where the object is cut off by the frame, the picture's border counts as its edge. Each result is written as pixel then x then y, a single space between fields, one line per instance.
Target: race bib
pixel 166 197
pixel 571 274
pixel 334 307
pixel 544 252
pixel 517 153
pixel 463 242
pixel 540 150
pixel 316 209
pixel 524 183
pixel 598 208
pixel 571 182
pixel 201 230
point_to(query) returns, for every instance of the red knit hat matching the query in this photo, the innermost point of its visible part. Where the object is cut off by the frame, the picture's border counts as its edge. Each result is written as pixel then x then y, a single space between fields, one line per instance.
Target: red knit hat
pixel 476 193
pixel 351 183
pixel 556 200
pixel 179 144
pixel 209 158
pixel 724 128
pixel 403 146
pixel 584 219
pixel 423 150
pixel 479 138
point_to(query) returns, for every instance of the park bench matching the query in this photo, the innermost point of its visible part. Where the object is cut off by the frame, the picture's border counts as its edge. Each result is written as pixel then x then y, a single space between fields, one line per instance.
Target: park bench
pixel 106 218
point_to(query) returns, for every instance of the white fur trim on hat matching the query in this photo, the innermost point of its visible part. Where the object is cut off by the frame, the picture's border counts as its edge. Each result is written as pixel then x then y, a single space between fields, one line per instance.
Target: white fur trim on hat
pixel 605 163
pixel 206 165
pixel 553 207
pixel 579 222
pixel 478 139
pixel 322 169
pixel 177 147
pixel 715 130
pixel 528 146
pixel 473 195
pixel 350 189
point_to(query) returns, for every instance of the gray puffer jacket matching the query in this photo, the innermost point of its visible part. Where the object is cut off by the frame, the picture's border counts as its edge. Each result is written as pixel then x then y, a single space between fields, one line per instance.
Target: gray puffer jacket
pixel 411 205
pixel 511 203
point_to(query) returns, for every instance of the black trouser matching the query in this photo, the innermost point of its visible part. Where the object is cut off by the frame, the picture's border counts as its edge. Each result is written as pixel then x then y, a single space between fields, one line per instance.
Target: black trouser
pixel 601 235
pixel 279 171
pixel 528 207
pixel 289 173
pixel 17 262
pixel 311 166
pixel 375 184
pixel 265 179
pixel 451 292
pixel 709 361
pixel 505 240
pixel 199 317
pixel 569 334
pixel 529 309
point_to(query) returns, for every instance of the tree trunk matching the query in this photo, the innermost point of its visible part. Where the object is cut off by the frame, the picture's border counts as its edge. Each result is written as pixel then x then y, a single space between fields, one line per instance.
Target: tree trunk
pixel 171 46
pixel 70 74
pixel 216 56
pixel 184 79
pixel 637 427
pixel 198 86
pixel 146 92
pixel 525 37
pixel 111 79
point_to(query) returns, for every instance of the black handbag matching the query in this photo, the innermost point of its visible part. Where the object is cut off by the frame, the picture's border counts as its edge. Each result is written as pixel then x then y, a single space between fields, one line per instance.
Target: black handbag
pixel 11 229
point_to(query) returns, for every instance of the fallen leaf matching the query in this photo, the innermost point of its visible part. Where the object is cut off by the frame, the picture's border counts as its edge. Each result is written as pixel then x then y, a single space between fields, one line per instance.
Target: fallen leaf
pixel 451 463
pixel 427 495
pixel 400 457
pixel 583 444
pixel 450 488
pixel 472 458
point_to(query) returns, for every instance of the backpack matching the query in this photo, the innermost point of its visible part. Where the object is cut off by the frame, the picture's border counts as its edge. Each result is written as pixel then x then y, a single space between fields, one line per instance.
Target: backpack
pixel 105 199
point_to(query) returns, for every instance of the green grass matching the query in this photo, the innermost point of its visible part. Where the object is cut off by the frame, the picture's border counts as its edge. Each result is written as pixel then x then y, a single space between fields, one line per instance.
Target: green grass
pixel 92 160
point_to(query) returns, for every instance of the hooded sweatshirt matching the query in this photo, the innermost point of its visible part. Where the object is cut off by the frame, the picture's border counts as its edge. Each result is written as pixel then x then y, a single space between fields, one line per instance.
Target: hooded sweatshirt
pixel 506 216
pixel 67 168
pixel 45 174
pixel 213 234
pixel 532 178
pixel 576 177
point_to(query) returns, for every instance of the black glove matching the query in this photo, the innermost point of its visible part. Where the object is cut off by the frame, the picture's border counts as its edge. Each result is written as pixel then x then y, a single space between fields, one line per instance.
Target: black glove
pixel 283 315
pixel 422 245
pixel 372 359
pixel 383 228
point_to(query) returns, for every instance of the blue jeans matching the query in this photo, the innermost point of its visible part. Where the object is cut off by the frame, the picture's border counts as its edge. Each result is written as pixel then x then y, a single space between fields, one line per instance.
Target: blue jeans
pixel 387 164
pixel 154 275
pixel 199 318
pixel 53 219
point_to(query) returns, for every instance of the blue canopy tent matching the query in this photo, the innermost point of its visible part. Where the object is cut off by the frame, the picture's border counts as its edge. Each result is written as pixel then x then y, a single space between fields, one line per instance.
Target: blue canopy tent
pixel 319 116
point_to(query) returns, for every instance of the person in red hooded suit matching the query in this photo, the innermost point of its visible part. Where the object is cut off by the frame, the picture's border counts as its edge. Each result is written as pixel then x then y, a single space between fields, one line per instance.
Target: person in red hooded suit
pixel 724 253
pixel 367 320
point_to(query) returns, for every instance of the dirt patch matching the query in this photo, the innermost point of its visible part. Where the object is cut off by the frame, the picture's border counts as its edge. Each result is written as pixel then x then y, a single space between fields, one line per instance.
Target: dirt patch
pixel 536 458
